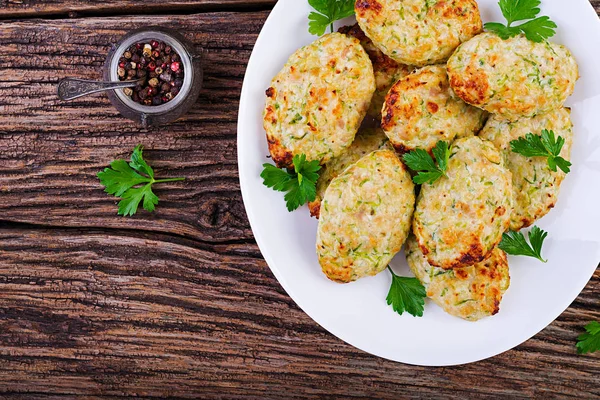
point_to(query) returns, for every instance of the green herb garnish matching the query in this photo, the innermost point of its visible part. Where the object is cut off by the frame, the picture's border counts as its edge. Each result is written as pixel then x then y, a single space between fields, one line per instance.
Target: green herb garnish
pixel 132 182
pixel 536 29
pixel 299 186
pixel 328 11
pixel 515 244
pixel 420 160
pixel 589 342
pixel 545 145
pixel 406 294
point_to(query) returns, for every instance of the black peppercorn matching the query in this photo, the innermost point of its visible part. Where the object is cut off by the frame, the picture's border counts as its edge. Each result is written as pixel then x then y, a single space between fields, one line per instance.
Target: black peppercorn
pixel 157 101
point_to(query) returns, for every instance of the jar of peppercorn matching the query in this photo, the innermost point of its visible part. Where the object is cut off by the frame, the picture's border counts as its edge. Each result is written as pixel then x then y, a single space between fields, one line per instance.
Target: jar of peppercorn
pixel 167 72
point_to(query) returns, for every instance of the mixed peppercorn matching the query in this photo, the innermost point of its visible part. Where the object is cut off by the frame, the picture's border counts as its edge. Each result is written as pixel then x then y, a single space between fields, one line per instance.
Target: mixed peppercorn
pixel 157 67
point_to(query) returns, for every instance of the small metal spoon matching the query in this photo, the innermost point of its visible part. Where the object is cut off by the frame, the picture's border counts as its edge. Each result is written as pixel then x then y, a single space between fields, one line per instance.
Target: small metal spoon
pixel 72 88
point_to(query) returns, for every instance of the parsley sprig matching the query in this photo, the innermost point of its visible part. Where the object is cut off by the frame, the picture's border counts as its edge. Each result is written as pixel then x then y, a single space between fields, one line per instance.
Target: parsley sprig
pixel 132 182
pixel 544 145
pixel 406 294
pixel 589 342
pixel 536 29
pixel 328 11
pixel 299 185
pixel 420 160
pixel 515 244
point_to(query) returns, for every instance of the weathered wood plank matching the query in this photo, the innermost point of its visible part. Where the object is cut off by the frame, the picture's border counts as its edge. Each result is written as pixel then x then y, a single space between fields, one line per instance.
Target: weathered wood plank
pixel 25 8
pixel 87 311
pixel 75 8
pixel 51 151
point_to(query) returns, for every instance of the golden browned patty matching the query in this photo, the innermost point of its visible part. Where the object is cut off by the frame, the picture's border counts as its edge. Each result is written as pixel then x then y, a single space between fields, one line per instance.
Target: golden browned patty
pixel 471 293
pixel 387 71
pixel 514 78
pixel 418 32
pixel 367 141
pixel 535 186
pixel 421 109
pixel 461 217
pixel 365 217
pixel 317 102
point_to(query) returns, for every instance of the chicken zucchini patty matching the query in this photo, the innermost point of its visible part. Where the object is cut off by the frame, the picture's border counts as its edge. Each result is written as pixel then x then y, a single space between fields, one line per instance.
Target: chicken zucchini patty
pixel 387 71
pixel 367 141
pixel 365 217
pixel 317 102
pixel 472 292
pixel 535 186
pixel 421 109
pixel 418 32
pixel 461 217
pixel 514 78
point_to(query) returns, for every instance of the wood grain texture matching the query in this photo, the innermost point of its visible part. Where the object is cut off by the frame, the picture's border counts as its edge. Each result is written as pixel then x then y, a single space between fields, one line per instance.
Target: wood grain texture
pixel 180 302
pixel 77 8
pixel 87 311
pixel 52 151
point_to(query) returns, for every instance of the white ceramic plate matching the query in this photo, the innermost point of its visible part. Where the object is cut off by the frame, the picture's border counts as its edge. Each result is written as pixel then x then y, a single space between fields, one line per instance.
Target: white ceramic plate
pixel 357 313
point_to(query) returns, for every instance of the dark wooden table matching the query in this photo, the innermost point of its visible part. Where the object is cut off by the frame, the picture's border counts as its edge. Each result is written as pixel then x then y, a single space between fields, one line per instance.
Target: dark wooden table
pixel 179 302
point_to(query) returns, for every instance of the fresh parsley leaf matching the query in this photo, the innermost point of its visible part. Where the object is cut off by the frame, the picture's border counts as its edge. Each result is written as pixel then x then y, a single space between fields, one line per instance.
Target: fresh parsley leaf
pixel 536 29
pixel 328 11
pixel 539 29
pixel 519 10
pixel 299 186
pixel 515 244
pixel 406 294
pixel 589 342
pixel 441 152
pixel 544 145
pixel 132 182
pixel 420 160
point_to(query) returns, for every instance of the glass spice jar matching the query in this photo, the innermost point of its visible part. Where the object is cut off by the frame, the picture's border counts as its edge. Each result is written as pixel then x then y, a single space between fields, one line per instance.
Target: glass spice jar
pixel 155 114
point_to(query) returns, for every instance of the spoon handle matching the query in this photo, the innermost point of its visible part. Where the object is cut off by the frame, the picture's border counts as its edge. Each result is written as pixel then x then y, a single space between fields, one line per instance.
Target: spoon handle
pixel 71 88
